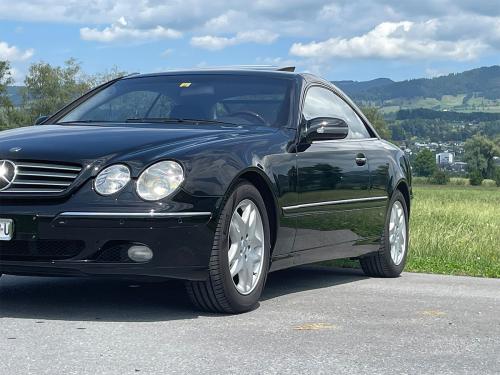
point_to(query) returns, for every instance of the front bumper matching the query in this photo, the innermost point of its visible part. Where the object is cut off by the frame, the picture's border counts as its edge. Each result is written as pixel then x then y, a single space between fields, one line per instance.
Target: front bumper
pixel 79 243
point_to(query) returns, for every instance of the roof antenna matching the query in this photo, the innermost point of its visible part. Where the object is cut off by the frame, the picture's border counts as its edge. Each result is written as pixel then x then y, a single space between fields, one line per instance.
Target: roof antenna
pixel 287 69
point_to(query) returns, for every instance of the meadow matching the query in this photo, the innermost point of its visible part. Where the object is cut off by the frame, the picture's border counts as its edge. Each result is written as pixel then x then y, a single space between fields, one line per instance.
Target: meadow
pixel 455 230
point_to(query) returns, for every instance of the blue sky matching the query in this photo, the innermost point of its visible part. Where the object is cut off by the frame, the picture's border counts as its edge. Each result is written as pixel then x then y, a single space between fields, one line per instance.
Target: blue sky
pixel 355 39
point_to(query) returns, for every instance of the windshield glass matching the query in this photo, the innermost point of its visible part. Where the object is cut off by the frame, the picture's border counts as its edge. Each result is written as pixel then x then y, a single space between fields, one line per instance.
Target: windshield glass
pixel 234 99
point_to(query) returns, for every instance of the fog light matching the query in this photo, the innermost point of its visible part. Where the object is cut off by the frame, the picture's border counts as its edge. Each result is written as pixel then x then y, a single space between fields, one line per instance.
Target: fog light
pixel 140 253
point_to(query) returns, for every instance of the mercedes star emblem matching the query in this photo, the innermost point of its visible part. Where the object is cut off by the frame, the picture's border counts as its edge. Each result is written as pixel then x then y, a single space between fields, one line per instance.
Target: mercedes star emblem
pixel 8 173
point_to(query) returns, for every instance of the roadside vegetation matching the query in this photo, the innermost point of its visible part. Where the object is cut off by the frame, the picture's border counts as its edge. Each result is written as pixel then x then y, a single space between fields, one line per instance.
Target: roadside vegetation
pixel 455 230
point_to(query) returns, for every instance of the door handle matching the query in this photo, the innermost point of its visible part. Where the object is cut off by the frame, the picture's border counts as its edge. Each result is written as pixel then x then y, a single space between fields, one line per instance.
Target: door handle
pixel 360 159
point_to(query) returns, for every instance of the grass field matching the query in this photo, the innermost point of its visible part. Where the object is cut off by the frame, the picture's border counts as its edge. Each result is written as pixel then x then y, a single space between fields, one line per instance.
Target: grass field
pixel 455 230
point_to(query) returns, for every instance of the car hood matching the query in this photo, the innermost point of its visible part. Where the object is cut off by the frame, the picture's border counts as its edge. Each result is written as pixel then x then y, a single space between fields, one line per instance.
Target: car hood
pixel 84 143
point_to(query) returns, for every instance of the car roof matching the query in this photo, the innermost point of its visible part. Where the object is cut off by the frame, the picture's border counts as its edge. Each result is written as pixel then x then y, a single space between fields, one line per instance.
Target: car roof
pixel 220 71
pixel 270 72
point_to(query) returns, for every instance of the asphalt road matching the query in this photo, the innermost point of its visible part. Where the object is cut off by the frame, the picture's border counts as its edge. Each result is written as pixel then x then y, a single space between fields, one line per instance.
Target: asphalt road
pixel 311 320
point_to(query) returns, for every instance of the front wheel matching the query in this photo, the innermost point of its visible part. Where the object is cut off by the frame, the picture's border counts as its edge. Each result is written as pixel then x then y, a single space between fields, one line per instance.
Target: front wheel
pixel 240 255
pixel 390 260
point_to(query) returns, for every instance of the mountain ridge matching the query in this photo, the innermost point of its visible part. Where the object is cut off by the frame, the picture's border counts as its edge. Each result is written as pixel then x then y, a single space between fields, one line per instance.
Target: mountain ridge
pixel 484 80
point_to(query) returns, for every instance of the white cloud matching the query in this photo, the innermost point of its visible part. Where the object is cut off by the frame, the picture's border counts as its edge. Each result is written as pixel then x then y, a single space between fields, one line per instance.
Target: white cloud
pixel 167 52
pixel 12 53
pixel 215 43
pixel 121 31
pixel 224 21
pixel 393 40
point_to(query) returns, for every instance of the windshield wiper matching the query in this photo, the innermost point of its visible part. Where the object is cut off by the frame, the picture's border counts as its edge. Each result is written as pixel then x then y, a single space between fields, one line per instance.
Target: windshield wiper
pixel 164 120
pixel 85 122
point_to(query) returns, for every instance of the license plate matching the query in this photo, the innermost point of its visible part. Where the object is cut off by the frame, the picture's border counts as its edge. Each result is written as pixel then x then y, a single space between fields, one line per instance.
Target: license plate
pixel 6 229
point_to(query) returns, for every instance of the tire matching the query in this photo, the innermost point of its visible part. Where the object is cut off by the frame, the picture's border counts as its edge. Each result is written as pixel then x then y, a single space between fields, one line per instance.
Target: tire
pixel 221 292
pixel 382 263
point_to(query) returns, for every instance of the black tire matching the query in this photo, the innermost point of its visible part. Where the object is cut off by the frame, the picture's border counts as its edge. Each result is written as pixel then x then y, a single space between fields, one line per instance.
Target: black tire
pixel 218 293
pixel 380 264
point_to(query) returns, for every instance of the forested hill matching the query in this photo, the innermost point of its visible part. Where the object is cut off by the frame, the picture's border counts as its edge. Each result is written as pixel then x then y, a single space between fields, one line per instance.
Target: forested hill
pixel 482 82
pixel 14 93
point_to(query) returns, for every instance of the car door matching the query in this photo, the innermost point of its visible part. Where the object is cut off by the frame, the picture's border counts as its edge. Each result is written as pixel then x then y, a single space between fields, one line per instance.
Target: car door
pixel 333 181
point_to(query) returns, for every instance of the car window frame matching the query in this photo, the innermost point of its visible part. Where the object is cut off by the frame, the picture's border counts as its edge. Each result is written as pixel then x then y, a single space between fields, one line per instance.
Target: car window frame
pixel 373 135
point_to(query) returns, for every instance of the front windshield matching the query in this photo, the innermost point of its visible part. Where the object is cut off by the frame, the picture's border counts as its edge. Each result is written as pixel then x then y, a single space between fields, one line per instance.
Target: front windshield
pixel 227 98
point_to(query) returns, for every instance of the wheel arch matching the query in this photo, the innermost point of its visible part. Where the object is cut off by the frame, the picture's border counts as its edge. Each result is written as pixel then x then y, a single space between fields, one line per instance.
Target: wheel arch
pixel 403 187
pixel 262 183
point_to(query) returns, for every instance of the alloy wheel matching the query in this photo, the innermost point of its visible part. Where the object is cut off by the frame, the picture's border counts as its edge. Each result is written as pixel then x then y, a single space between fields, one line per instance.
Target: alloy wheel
pixel 397 232
pixel 246 246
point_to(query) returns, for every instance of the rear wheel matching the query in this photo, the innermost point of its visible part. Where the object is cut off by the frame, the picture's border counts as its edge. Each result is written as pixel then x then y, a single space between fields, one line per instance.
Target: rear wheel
pixel 390 260
pixel 240 256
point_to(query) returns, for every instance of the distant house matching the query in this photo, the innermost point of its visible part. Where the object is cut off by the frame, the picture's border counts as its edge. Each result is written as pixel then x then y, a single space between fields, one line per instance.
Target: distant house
pixel 459 166
pixel 444 158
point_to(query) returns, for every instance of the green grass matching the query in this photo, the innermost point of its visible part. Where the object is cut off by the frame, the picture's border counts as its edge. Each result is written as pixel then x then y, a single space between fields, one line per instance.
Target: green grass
pixel 455 230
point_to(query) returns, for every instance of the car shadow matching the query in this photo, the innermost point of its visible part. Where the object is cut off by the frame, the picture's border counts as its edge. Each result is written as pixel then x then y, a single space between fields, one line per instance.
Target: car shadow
pixel 118 300
pixel 304 278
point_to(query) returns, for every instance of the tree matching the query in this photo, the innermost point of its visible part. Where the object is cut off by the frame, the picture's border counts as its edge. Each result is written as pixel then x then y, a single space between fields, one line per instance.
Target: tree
pixel 97 79
pixel 479 152
pixel 5 102
pixel 378 121
pixel 425 163
pixel 5 81
pixel 49 88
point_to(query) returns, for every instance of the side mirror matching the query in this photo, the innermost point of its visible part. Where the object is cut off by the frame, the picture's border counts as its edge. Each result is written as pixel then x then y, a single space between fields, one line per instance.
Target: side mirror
pixel 41 120
pixel 326 129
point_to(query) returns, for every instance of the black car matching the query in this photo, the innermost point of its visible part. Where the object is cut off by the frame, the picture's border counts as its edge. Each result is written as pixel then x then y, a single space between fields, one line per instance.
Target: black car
pixel 216 177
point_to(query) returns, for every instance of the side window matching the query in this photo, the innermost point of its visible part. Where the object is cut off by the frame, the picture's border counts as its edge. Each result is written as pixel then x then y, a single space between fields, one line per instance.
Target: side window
pixel 321 102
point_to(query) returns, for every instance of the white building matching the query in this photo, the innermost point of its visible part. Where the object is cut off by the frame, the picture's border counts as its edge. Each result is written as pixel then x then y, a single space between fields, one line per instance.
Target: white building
pixel 444 158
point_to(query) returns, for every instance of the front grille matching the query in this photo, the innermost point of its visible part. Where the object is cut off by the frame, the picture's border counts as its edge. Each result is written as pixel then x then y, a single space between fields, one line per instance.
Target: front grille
pixel 43 178
pixel 40 249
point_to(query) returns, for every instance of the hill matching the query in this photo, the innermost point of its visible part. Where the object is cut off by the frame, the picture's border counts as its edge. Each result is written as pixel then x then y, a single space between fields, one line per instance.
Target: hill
pixel 14 93
pixel 470 91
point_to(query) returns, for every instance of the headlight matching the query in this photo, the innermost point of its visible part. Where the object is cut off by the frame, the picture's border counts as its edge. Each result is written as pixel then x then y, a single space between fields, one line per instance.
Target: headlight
pixel 112 179
pixel 160 180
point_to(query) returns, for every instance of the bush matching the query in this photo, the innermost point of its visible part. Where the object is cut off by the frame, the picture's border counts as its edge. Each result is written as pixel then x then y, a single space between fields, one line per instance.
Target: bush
pixel 439 177
pixel 476 178
pixel 488 183
pixel 459 181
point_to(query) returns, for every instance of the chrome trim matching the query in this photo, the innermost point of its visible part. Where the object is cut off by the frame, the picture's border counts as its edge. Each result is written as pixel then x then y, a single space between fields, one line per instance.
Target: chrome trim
pixel 42 182
pixel 49 166
pixel 134 214
pixel 332 203
pixel 32 191
pixel 48 174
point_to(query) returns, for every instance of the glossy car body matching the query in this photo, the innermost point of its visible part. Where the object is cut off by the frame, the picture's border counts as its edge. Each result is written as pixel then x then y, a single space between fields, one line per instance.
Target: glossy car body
pixel 325 199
